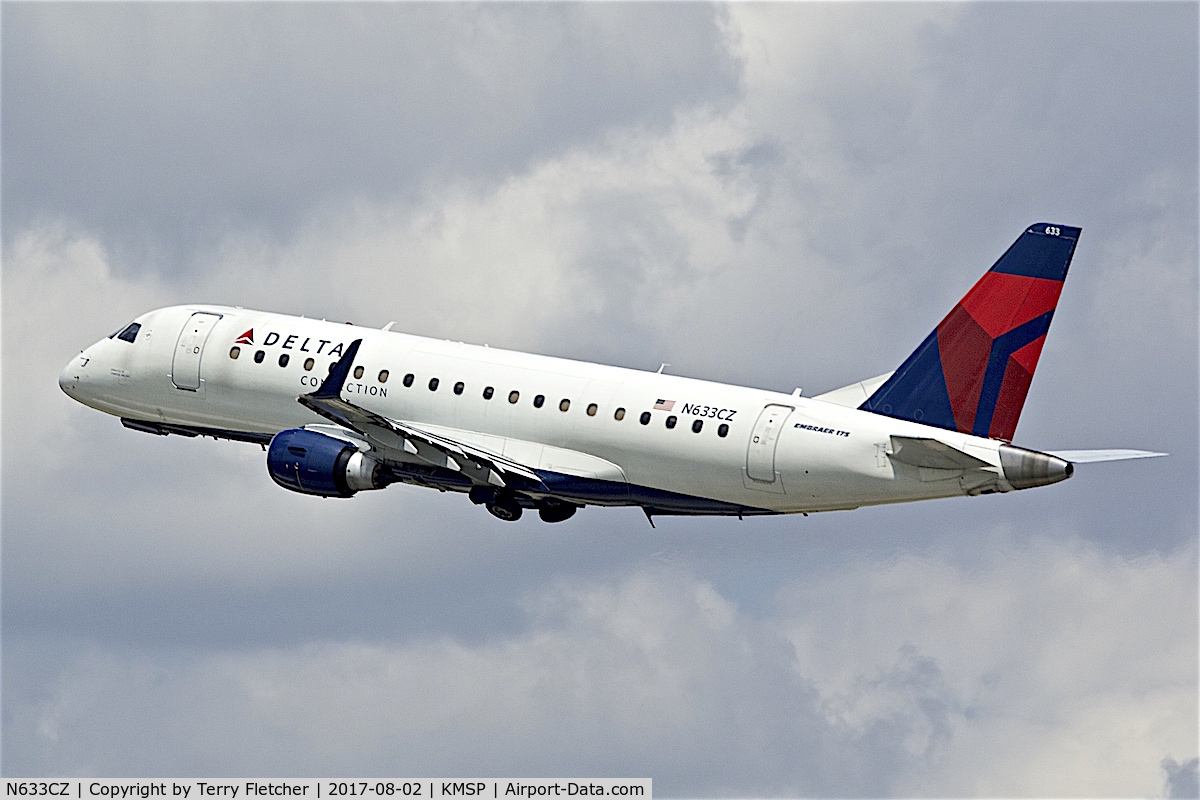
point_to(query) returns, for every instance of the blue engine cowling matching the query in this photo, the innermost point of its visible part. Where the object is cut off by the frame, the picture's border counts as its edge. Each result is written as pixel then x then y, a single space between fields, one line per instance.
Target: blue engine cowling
pixel 313 463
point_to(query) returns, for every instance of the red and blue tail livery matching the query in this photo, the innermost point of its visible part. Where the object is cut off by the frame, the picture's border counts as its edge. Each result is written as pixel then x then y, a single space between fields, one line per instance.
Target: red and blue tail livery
pixel 971 374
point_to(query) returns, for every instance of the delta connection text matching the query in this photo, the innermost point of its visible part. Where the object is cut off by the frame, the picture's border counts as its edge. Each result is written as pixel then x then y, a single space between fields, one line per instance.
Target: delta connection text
pixel 314 789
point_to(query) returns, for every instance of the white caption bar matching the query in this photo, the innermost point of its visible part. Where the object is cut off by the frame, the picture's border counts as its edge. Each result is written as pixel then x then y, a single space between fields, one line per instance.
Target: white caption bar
pixel 313 789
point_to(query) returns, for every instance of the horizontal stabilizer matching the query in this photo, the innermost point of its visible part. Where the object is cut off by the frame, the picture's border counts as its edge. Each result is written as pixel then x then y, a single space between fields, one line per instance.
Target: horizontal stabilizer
pixel 932 454
pixel 855 394
pixel 1090 456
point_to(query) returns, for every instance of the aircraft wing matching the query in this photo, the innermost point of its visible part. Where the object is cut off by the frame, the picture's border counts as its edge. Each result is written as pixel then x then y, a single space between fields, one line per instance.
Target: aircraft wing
pixel 398 441
pixel 1090 456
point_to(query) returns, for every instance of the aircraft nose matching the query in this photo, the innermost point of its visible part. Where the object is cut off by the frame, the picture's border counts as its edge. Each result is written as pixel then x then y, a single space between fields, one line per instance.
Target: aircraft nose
pixel 71 376
pixel 64 379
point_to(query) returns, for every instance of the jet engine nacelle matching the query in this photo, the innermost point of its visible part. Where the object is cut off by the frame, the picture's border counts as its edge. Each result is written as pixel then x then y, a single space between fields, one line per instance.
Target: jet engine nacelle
pixel 313 463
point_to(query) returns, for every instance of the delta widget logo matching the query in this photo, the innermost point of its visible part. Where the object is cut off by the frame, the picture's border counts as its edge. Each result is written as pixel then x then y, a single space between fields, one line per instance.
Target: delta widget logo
pixel 246 338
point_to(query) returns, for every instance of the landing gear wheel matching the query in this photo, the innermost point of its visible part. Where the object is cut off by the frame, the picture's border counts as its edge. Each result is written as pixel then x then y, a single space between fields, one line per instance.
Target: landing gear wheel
pixel 505 508
pixel 557 512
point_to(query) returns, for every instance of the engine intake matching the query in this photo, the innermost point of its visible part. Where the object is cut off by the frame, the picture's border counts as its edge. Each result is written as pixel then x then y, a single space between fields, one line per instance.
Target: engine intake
pixel 313 463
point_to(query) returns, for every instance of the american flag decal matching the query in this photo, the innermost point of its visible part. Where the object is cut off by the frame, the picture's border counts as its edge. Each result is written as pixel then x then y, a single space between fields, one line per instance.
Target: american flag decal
pixel 664 405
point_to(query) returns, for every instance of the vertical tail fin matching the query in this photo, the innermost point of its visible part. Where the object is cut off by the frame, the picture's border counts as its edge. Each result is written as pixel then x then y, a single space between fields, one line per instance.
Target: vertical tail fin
pixel 973 372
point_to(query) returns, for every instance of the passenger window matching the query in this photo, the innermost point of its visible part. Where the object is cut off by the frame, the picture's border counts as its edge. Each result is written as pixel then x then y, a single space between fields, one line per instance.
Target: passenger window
pixel 619 414
pixel 645 418
pixel 488 391
pixel 671 421
pixel 259 356
pixel 697 425
pixel 283 359
pixel 514 396
pixel 539 401
pixel 383 376
pixel 130 333
pixel 592 409
pixel 722 430
pixel 564 405
pixel 309 364
pixel 358 372
pixel 235 352
pixel 433 384
pixel 458 387
pixel 408 379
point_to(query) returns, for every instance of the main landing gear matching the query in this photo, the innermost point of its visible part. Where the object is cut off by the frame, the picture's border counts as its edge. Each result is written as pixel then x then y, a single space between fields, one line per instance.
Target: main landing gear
pixel 505 505
pixel 556 512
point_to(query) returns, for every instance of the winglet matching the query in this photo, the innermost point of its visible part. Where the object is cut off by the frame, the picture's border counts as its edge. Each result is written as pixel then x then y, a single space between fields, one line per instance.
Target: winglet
pixel 332 387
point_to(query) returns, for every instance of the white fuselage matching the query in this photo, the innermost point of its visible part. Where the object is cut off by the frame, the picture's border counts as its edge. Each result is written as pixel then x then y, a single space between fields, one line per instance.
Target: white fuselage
pixel 780 453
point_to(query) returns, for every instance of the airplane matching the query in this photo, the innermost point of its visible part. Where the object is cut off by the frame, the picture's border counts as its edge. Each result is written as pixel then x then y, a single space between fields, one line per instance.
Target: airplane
pixel 342 409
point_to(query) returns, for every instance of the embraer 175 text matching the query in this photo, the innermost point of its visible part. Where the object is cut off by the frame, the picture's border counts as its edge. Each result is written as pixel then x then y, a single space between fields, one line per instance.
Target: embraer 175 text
pixel 342 409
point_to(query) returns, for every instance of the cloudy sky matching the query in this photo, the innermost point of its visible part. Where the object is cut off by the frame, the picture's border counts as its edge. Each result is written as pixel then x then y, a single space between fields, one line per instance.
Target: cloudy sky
pixel 774 195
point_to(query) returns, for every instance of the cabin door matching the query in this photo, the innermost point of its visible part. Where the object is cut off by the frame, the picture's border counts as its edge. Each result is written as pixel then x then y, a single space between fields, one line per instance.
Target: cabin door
pixel 185 367
pixel 760 454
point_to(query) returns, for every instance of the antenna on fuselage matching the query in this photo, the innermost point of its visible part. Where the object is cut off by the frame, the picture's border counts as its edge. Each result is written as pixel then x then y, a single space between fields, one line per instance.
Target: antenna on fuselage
pixel 662 367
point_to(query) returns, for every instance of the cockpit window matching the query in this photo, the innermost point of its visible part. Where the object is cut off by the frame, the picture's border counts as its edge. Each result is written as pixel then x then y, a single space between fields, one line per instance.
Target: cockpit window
pixel 130 333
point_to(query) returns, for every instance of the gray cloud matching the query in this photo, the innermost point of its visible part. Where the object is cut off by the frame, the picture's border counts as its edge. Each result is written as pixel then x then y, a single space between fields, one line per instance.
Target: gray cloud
pixel 656 672
pixel 1182 779
pixel 162 128
pixel 772 195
